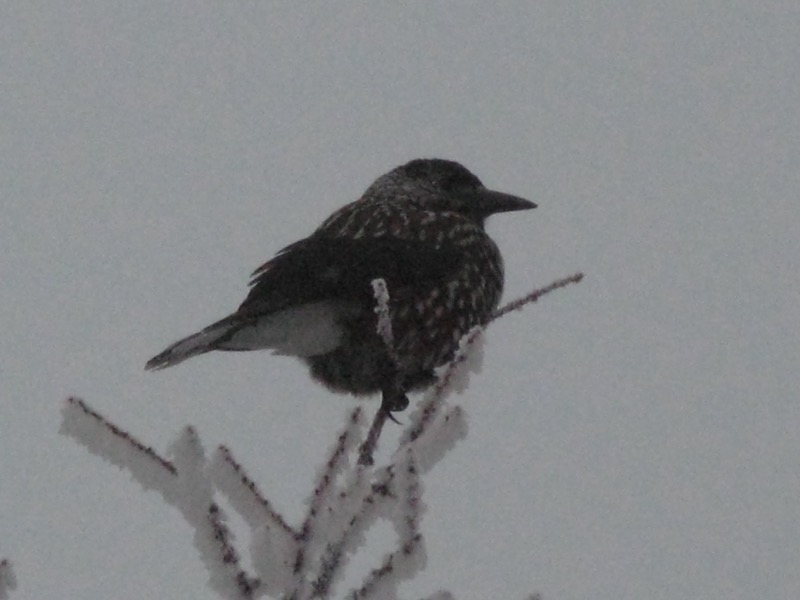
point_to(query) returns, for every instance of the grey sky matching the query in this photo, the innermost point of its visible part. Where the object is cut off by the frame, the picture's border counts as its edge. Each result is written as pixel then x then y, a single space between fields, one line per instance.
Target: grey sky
pixel 635 436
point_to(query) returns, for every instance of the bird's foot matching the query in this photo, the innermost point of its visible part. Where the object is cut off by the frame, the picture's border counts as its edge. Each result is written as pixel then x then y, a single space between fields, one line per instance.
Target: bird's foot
pixel 393 400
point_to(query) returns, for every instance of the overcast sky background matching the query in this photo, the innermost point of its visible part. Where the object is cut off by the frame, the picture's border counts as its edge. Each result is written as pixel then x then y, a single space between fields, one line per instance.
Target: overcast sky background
pixel 635 436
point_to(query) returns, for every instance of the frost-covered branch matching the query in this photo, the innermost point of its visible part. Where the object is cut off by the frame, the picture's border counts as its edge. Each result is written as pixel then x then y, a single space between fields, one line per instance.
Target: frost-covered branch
pixel 384 321
pixel 397 399
pixel 535 295
pixel 290 562
pixel 348 497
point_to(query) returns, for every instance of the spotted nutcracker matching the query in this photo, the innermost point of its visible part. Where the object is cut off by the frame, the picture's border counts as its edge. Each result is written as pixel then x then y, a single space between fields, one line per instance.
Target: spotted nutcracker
pixel 420 228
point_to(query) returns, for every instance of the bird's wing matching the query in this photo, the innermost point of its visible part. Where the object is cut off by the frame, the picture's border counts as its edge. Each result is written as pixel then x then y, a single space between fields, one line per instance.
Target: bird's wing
pixel 323 268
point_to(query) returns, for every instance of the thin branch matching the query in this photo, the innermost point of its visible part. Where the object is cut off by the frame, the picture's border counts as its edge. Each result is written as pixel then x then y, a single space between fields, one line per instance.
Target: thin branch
pixel 535 295
pixel 103 438
pixel 246 586
pixel 243 493
pixel 384 327
pixel 70 427
pixel 319 509
pixel 367 450
pixel 362 513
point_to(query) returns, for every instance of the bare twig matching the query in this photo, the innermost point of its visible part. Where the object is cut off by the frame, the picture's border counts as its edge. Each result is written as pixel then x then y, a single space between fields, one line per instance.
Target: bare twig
pixel 367 449
pixel 382 299
pixel 230 477
pixel 535 295
pixel 228 556
pixel 394 398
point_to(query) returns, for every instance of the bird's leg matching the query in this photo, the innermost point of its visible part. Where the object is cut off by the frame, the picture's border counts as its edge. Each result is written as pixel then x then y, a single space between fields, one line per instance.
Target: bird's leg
pixel 393 399
pixel 367 449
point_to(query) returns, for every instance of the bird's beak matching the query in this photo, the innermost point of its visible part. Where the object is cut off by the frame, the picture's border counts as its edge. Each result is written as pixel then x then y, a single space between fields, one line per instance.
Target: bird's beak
pixel 495 202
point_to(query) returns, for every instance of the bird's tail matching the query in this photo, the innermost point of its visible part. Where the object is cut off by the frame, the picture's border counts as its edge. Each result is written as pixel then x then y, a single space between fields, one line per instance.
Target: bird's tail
pixel 199 343
pixel 306 330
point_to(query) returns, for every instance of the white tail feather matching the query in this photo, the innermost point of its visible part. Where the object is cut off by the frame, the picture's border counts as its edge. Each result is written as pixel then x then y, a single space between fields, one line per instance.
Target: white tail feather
pixel 306 330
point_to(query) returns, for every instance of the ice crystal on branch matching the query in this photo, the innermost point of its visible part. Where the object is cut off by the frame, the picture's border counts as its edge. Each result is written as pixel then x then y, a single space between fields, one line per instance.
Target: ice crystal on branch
pixel 385 332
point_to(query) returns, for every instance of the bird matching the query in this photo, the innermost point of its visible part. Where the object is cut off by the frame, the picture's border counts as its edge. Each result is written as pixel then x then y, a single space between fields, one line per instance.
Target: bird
pixel 421 228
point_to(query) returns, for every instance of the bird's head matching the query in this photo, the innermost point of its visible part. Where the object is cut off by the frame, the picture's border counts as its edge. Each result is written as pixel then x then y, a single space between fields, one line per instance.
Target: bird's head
pixel 436 184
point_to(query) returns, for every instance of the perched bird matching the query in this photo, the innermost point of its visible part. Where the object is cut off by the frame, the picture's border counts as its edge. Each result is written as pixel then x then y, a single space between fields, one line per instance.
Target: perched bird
pixel 420 228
